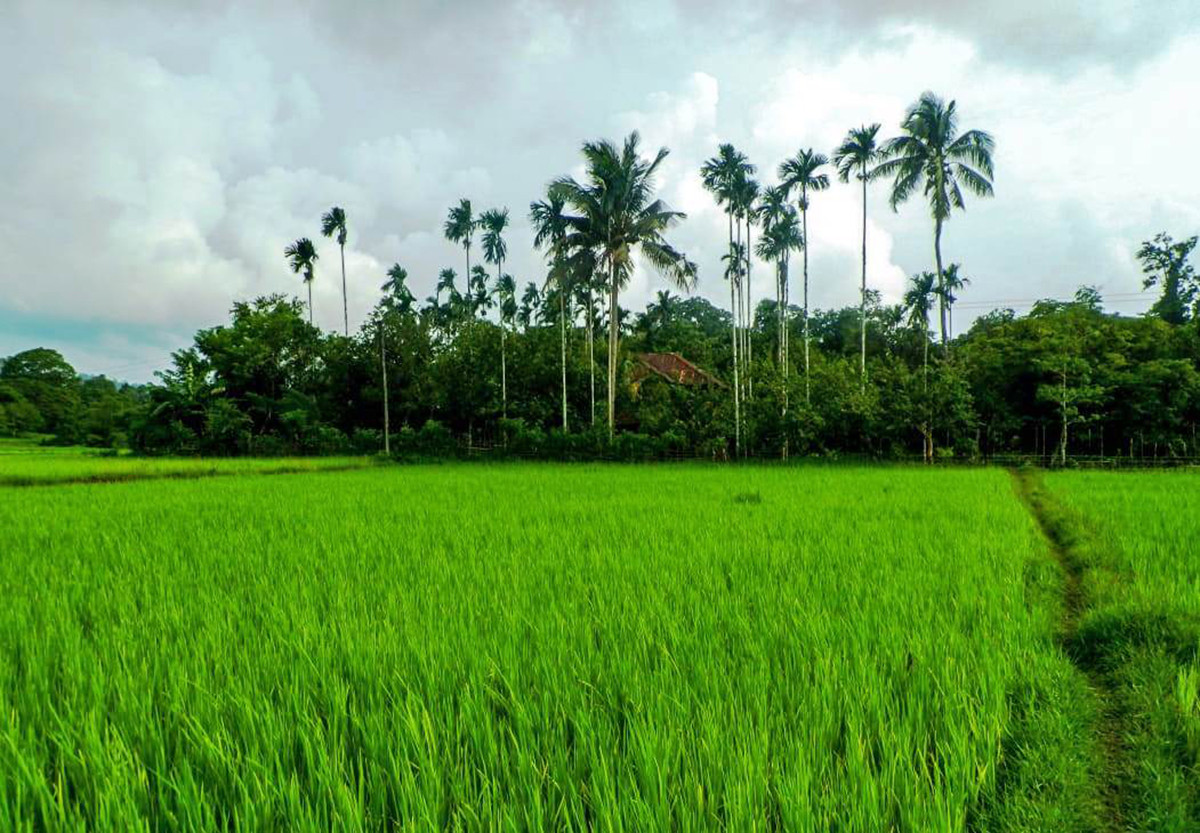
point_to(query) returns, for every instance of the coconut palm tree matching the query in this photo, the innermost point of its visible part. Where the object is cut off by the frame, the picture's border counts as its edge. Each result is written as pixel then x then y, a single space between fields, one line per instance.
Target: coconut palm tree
pixel 859 154
pixel 460 228
pixel 334 222
pixel 302 257
pixel 396 289
pixel 550 232
pixel 952 281
pixel 933 156
pixel 800 173
pixel 618 216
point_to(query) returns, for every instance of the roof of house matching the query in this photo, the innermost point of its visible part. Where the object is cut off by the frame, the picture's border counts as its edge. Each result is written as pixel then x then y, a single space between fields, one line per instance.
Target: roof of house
pixel 674 368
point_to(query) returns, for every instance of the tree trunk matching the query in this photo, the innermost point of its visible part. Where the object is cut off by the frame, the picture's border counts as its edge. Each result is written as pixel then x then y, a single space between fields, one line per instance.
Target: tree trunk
pixel 804 233
pixel 862 361
pixel 749 307
pixel 503 348
pixel 562 323
pixel 737 411
pixel 387 441
pixel 309 302
pixel 613 335
pixel 941 278
pixel 345 303
pixel 591 337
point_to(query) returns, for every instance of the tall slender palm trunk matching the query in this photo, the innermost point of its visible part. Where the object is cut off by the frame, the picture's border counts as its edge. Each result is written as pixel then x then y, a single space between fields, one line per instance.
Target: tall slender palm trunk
pixel 862 361
pixel 562 323
pixel 737 406
pixel 387 432
pixel 345 303
pixel 804 234
pixel 613 327
pixel 309 282
pixel 503 348
pixel 941 277
pixel 591 337
pixel 749 306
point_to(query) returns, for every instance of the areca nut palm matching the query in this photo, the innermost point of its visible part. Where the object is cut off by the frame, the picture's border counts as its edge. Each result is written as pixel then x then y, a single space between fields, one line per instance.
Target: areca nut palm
pixel 618 216
pixel 952 281
pixel 800 173
pixel 734 263
pixel 494 222
pixel 396 288
pixel 333 222
pixel 460 227
pixel 550 233
pixel 302 257
pixel 859 155
pixel 931 155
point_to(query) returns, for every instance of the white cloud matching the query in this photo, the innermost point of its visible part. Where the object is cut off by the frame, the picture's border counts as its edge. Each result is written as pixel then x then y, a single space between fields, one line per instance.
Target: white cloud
pixel 159 158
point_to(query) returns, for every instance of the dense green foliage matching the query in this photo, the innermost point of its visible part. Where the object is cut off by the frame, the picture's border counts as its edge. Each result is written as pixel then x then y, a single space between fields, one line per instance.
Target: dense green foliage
pixel 612 647
pixel 41 393
pixel 268 383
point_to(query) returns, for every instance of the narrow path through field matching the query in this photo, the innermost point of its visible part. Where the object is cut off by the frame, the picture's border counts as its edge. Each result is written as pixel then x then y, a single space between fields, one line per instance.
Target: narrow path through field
pixel 1110 727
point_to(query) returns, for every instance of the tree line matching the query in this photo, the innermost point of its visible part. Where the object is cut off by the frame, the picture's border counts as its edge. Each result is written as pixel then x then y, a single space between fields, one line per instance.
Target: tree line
pixel 490 365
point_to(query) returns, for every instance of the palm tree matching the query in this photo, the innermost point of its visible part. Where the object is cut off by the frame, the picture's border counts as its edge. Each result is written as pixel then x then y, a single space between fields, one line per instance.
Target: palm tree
pixel 952 282
pixel 860 152
pixel 934 156
pixel 779 239
pixel 800 172
pixel 396 288
pixel 746 196
pixel 618 216
pixel 505 292
pixel 302 257
pixel 334 222
pixel 530 301
pixel 581 264
pixel 550 231
pixel 445 283
pixel 772 207
pixel 734 264
pixel 494 222
pixel 723 176
pixel 460 227
pixel 918 301
pixel 481 298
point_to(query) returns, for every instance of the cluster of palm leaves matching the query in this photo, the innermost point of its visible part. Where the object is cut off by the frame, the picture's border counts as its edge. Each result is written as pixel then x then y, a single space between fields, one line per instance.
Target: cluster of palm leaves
pixel 594 231
pixel 302 257
pixel 930 155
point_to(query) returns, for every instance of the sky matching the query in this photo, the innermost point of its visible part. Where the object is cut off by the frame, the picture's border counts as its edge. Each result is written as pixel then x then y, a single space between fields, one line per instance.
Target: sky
pixel 157 157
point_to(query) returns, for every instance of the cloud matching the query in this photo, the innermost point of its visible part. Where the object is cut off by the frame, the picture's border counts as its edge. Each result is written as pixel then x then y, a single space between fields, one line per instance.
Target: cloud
pixel 157 158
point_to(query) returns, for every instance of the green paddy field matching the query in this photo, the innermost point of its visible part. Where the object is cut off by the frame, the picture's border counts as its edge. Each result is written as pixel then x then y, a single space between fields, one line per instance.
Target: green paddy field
pixel 186 645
